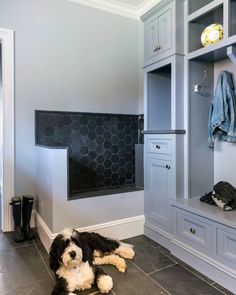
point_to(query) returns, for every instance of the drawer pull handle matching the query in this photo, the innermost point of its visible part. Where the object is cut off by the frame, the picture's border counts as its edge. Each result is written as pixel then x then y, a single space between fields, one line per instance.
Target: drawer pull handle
pixel 192 230
pixel 156 48
pixel 168 167
pixel 158 147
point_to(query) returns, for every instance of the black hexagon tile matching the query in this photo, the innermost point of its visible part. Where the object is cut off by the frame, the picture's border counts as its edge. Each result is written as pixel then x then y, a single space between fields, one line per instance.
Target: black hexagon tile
pixel 101 146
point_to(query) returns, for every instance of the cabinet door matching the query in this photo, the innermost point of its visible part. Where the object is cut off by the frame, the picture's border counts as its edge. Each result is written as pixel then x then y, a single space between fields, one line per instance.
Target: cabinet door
pixel 158 190
pixel 164 31
pixel 151 38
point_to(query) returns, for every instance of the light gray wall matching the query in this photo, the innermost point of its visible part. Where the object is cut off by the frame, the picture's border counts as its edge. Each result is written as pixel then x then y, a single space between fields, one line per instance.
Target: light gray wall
pixel 0 64
pixel 141 72
pixel 67 57
pixel 225 153
pixel 1 136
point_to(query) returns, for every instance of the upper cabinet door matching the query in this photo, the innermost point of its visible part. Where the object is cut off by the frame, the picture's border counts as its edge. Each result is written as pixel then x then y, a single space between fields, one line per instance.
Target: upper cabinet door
pixel 151 42
pixel 158 36
pixel 164 31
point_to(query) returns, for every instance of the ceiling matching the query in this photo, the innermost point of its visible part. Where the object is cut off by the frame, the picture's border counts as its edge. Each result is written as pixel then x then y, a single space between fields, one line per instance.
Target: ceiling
pixel 128 8
pixel 132 2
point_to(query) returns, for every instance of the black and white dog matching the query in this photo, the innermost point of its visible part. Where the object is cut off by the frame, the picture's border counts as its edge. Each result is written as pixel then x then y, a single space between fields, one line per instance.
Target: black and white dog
pixel 74 257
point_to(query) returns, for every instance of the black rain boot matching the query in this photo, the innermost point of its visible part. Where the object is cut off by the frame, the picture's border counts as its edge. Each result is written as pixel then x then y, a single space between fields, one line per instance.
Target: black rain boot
pixel 18 235
pixel 26 214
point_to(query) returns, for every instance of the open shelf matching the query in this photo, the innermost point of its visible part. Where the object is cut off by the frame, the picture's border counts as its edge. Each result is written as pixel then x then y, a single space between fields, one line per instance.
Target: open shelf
pixel 205 10
pixel 200 22
pixel 159 98
pixel 232 18
pixel 194 5
pixel 214 52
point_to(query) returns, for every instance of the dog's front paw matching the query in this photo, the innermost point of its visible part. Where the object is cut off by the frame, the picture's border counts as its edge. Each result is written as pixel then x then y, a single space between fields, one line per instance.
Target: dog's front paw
pixel 105 284
pixel 125 251
pixel 121 265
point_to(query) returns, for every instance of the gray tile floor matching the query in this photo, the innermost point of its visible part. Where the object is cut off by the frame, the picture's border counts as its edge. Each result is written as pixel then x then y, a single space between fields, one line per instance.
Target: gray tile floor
pixel 154 271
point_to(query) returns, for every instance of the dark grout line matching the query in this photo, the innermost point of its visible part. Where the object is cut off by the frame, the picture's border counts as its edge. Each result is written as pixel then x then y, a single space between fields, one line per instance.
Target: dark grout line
pixel 201 278
pixel 25 285
pixel 217 288
pixel 171 258
pixel 161 269
pixel 19 247
pixel 151 278
pixel 43 261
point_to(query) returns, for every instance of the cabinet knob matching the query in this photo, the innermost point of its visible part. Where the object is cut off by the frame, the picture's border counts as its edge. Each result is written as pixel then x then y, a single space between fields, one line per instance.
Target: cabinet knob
pixel 168 167
pixel 156 48
pixel 192 230
pixel 158 147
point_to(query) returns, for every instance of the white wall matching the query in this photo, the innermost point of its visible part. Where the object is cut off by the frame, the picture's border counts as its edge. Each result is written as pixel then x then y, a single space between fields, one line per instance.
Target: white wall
pixel 1 137
pixel 141 74
pixel 225 153
pixel 57 212
pixel 67 57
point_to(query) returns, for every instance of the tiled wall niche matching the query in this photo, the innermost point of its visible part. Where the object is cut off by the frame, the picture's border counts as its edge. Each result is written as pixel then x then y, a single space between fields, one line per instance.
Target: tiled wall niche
pixel 101 147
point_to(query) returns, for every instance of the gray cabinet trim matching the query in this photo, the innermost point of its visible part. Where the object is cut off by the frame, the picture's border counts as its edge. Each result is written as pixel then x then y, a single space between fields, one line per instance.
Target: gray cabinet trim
pixel 156 9
pixel 194 205
pixel 175 131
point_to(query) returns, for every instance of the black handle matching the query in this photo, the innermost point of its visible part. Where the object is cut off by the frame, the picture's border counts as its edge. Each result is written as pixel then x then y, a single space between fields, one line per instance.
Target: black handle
pixel 158 147
pixel 192 230
pixel 168 167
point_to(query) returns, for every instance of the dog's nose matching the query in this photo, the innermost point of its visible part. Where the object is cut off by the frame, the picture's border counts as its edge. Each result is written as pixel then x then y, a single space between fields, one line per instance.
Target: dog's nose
pixel 72 254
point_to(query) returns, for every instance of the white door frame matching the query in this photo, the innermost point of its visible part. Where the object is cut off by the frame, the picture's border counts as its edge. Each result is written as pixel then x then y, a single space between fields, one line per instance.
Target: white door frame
pixel 8 189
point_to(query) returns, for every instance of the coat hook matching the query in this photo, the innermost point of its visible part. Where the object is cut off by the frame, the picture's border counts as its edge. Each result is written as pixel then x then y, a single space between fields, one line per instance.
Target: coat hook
pixel 199 88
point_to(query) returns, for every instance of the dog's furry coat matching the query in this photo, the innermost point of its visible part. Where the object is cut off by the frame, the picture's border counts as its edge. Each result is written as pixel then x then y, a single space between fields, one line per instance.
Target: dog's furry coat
pixel 74 258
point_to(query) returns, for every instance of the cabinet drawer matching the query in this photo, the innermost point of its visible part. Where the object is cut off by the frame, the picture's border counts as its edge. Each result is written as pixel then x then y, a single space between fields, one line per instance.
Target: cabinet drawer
pixel 226 246
pixel 194 231
pixel 159 146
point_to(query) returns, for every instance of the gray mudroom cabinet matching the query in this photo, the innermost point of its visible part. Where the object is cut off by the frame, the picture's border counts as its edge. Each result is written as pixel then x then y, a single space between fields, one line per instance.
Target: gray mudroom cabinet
pixel 163 145
pixel 158 34
pixel 163 158
pixel 179 166
pixel 162 26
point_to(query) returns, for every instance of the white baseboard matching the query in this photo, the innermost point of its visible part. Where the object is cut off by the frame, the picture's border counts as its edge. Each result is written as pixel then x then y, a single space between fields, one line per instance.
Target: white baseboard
pixel 158 235
pixel 118 229
pixel 205 264
pixel 44 233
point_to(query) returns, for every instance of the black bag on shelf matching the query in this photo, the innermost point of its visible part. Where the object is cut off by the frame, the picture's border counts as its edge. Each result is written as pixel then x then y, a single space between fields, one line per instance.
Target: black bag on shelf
pixel 224 195
pixel 207 198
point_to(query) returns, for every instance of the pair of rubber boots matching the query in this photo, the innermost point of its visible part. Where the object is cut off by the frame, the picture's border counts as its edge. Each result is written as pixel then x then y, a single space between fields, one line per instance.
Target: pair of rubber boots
pixel 22 231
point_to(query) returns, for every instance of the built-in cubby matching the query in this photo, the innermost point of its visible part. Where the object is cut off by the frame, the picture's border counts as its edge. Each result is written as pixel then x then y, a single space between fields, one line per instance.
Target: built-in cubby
pixel 179 169
pixel 198 24
pixel 164 94
pixel 205 233
pixel 232 17
pixel 197 4
pixel 159 98
pixel 201 156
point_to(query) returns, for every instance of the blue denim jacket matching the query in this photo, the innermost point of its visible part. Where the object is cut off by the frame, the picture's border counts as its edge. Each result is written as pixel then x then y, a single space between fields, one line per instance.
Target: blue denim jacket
pixel 222 121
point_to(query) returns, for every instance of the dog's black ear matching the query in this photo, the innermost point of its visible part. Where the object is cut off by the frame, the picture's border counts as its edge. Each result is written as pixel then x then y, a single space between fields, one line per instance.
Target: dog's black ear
pixel 87 253
pixel 53 253
pixel 82 243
